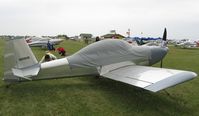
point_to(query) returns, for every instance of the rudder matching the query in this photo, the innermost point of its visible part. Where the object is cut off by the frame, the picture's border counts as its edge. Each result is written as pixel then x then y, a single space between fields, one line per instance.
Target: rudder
pixel 19 61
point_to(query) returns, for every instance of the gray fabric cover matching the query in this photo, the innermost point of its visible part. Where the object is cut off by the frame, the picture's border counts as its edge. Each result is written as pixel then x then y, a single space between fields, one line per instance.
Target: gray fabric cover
pixel 107 52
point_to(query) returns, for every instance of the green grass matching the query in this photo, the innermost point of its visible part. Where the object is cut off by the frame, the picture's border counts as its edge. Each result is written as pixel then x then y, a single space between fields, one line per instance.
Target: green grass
pixel 91 96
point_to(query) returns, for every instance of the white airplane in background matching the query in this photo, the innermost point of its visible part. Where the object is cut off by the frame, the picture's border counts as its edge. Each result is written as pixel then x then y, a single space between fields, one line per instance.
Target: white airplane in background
pixel 187 43
pixel 112 58
pixel 42 42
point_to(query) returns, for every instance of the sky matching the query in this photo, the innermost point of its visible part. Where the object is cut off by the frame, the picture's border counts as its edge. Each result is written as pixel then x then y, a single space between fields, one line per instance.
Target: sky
pixel 145 18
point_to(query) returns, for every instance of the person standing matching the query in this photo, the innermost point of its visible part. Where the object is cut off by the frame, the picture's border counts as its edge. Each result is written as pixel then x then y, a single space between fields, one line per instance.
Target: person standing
pixel 50 46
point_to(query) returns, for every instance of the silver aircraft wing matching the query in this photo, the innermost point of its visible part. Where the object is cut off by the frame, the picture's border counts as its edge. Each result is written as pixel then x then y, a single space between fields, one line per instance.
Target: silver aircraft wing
pixel 149 78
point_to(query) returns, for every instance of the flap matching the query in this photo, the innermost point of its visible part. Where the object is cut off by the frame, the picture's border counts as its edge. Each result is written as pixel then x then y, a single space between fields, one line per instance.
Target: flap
pixel 150 78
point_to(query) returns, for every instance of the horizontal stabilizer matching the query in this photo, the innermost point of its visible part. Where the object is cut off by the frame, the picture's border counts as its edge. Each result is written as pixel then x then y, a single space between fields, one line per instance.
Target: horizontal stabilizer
pixel 26 72
pixel 149 78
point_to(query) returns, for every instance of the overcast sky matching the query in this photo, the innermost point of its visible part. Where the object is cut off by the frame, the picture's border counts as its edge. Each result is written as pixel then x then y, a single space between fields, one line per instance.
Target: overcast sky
pixel 98 17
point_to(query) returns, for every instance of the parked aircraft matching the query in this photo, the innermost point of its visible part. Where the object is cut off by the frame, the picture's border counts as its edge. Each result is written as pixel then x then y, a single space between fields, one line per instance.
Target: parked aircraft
pixel 42 42
pixel 186 43
pixel 197 42
pixel 111 58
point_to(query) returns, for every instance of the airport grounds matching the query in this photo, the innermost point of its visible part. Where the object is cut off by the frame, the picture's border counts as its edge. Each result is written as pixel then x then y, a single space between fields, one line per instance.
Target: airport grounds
pixel 91 96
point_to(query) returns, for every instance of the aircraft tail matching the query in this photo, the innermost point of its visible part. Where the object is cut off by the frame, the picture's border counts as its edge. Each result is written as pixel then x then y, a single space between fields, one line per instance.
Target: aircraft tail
pixel 19 61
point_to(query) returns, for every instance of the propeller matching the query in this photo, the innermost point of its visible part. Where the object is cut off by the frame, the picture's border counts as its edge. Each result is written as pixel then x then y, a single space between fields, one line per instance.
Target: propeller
pixel 164 43
pixel 165 35
pixel 164 38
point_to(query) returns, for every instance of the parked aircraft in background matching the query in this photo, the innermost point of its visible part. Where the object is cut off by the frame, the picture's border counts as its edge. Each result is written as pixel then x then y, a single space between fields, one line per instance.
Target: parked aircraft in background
pixel 111 58
pixel 42 42
pixel 186 43
pixel 197 42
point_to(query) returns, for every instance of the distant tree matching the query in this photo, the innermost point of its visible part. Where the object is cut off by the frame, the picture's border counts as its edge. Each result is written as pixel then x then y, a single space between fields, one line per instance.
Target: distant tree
pixel 63 36
pixel 85 35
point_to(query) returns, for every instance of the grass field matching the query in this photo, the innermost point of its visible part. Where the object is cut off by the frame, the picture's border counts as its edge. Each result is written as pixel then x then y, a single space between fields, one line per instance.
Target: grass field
pixel 89 96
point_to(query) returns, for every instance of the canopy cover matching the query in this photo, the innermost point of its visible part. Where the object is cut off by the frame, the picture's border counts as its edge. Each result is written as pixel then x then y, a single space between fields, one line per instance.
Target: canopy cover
pixel 107 52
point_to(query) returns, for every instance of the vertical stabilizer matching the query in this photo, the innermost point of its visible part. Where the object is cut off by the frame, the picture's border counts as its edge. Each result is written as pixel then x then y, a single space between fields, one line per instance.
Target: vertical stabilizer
pixel 23 54
pixel 19 61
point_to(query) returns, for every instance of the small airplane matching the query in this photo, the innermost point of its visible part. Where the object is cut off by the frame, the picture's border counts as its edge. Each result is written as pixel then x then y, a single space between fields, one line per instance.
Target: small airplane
pixel 42 42
pixel 186 43
pixel 112 58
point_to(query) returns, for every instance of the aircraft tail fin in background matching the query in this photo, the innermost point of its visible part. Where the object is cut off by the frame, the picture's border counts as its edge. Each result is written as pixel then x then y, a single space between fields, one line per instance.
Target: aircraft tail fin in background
pixel 19 61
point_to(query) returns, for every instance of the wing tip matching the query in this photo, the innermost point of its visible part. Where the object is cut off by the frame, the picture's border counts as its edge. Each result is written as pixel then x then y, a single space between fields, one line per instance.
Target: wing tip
pixel 172 81
pixel 194 74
